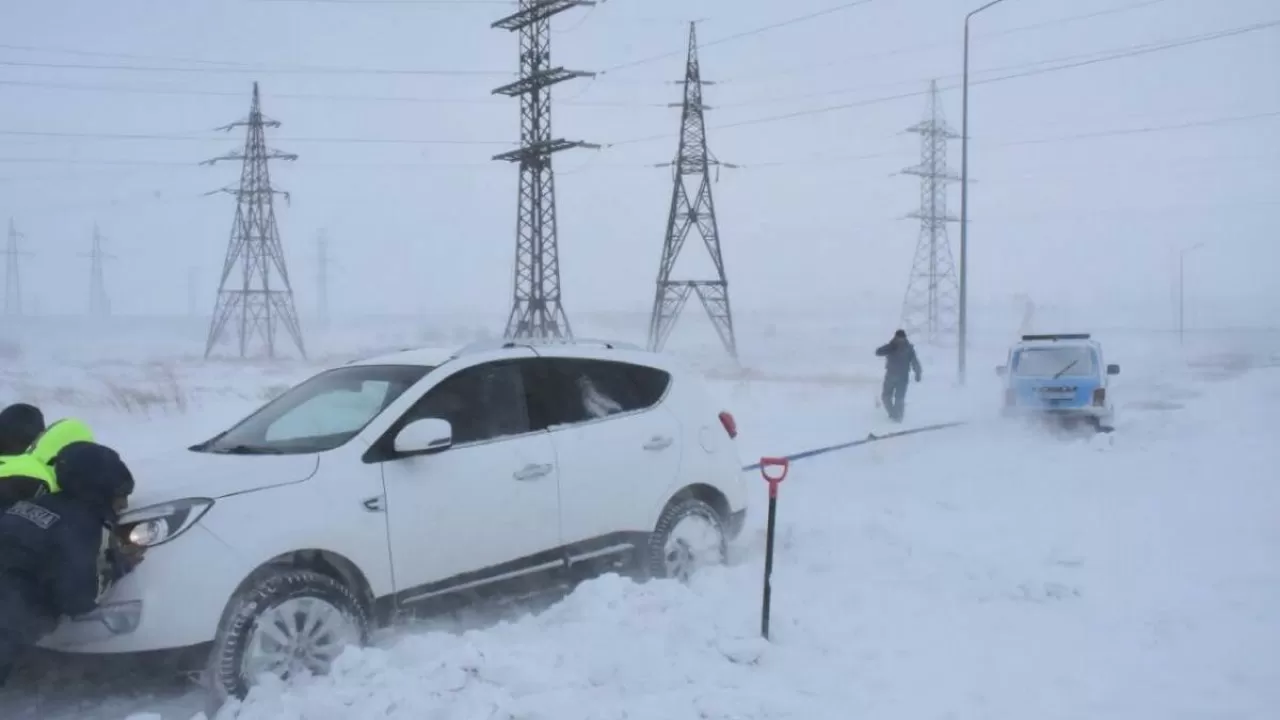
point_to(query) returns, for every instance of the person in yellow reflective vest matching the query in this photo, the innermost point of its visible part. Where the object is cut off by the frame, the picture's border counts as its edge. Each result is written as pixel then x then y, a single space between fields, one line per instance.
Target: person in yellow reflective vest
pixel 25 476
pixel 20 425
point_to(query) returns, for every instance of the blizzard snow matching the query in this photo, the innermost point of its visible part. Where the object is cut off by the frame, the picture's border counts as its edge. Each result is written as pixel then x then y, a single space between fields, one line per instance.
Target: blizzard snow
pixel 982 572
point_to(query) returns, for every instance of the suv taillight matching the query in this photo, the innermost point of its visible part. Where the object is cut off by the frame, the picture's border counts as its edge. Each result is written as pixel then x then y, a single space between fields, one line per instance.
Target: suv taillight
pixel 1099 397
pixel 730 425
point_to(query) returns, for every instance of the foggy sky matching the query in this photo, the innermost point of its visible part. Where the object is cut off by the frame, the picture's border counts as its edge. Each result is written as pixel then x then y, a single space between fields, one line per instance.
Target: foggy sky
pixel 1094 223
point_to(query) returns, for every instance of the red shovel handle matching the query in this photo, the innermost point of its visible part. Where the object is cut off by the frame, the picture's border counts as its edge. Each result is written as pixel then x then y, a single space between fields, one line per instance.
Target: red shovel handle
pixel 774 478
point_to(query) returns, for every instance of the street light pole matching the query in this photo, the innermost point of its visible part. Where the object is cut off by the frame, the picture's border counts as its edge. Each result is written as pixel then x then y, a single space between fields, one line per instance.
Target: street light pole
pixel 1182 264
pixel 964 201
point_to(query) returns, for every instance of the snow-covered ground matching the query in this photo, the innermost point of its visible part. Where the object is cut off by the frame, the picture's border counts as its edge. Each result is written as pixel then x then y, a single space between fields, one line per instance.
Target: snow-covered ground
pixel 981 572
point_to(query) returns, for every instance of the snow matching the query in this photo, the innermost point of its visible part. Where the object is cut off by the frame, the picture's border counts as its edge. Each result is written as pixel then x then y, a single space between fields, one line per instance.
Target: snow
pixel 989 571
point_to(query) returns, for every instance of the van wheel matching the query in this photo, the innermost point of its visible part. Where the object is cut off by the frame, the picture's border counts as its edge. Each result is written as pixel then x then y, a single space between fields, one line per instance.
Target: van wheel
pixel 289 622
pixel 689 535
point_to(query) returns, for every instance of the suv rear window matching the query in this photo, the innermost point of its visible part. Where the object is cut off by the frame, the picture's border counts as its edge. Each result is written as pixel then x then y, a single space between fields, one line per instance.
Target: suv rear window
pixel 1066 360
pixel 577 390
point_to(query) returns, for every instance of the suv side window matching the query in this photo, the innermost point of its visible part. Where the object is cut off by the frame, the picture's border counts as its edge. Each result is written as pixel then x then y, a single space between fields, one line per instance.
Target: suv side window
pixel 580 390
pixel 483 402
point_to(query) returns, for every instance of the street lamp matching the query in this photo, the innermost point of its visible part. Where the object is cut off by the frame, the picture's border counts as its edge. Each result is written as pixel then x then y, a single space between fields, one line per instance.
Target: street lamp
pixel 964 196
pixel 1182 264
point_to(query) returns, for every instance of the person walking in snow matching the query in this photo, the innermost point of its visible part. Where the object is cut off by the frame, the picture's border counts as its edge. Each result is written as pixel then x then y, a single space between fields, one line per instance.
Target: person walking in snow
pixel 899 361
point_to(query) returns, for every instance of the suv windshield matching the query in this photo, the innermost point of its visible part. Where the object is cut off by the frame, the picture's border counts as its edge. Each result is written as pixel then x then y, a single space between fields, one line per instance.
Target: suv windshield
pixel 1061 361
pixel 319 414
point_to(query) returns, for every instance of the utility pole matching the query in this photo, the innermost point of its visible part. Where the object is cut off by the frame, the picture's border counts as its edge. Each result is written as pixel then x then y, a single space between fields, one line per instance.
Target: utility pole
pixel 99 303
pixel 536 308
pixel 322 279
pixel 13 271
pixel 255 248
pixel 963 339
pixel 1182 274
pixel 932 291
pixel 692 162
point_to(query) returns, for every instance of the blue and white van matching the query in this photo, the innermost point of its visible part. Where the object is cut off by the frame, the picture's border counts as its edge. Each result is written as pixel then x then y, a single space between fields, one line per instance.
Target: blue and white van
pixel 1061 376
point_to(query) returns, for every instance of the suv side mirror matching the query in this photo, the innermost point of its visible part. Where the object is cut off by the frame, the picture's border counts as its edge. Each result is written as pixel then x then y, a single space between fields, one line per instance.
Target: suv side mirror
pixel 1001 370
pixel 1113 369
pixel 421 437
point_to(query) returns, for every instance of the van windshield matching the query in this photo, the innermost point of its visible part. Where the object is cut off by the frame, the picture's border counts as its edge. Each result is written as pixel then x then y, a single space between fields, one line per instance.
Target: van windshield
pixel 319 414
pixel 1060 361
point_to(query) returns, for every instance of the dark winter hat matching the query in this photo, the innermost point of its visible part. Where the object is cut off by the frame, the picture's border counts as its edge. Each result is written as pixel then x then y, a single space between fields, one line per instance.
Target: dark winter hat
pixel 901 334
pixel 93 472
pixel 20 425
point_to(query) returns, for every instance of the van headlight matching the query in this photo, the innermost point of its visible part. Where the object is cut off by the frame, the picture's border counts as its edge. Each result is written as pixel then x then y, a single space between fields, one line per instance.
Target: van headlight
pixel 158 524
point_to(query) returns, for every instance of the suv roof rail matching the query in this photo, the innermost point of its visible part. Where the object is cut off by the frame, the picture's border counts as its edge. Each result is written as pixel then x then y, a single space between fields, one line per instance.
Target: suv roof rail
pixel 1058 336
pixel 500 344
pixel 609 344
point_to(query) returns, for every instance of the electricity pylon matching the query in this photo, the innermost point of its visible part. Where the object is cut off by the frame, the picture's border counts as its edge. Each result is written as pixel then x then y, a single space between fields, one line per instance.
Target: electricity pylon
pixel 692 167
pixel 536 308
pixel 99 303
pixel 260 299
pixel 13 271
pixel 930 305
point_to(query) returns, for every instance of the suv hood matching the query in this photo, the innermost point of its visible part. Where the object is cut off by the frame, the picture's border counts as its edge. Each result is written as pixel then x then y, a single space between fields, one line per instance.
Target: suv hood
pixel 186 473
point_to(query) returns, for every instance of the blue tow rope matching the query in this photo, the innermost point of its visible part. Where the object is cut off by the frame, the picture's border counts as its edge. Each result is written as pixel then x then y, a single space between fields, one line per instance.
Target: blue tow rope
pixel 870 438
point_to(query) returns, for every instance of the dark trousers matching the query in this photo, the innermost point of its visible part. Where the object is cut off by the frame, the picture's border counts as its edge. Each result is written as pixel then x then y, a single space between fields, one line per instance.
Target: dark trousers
pixel 22 624
pixel 894 396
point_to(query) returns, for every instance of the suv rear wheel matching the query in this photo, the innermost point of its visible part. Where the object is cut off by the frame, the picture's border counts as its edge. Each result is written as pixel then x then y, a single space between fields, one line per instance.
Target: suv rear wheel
pixel 289 622
pixel 689 535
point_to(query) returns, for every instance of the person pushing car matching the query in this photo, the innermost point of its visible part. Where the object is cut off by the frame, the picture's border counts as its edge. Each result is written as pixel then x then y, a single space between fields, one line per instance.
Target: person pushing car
pixel 51 555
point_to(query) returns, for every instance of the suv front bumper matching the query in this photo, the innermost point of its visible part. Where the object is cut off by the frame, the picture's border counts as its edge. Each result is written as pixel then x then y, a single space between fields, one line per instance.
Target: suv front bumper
pixel 173 599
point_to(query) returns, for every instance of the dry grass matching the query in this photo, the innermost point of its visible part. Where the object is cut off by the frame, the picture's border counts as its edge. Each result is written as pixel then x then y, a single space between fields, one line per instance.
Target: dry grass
pixel 164 392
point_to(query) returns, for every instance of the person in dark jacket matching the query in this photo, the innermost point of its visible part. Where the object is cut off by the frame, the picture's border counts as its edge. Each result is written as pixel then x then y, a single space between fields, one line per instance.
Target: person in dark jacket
pixel 899 361
pixel 51 548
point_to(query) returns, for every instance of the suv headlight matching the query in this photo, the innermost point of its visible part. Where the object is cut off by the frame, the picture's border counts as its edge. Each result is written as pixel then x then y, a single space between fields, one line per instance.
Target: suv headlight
pixel 158 524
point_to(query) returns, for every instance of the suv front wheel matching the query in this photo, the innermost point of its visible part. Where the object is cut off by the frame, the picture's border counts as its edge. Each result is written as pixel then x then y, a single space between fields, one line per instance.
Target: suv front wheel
pixel 289 622
pixel 689 535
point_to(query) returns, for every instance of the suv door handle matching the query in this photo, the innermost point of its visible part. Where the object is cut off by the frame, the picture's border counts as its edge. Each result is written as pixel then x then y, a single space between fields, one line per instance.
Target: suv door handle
pixel 532 471
pixel 658 442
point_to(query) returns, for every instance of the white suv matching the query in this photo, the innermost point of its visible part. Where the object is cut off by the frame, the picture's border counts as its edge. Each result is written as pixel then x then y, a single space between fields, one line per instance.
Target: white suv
pixel 373 488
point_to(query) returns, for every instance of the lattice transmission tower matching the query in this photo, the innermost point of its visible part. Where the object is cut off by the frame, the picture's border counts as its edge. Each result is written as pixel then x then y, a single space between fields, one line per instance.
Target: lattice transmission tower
pixel 537 311
pixel 259 297
pixel 13 271
pixel 692 168
pixel 99 302
pixel 930 305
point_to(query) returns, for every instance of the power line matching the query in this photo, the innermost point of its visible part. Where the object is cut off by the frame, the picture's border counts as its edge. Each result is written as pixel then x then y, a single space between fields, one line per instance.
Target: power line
pixel 755 76
pixel 389 2
pixel 335 140
pixel 288 70
pixel 119 56
pixel 1146 129
pixel 124 89
pixel 1133 51
pixel 738 36
pixel 816 159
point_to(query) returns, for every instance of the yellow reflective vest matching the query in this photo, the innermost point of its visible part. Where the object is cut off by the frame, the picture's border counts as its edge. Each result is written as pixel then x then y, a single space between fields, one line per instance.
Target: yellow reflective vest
pixel 37 462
